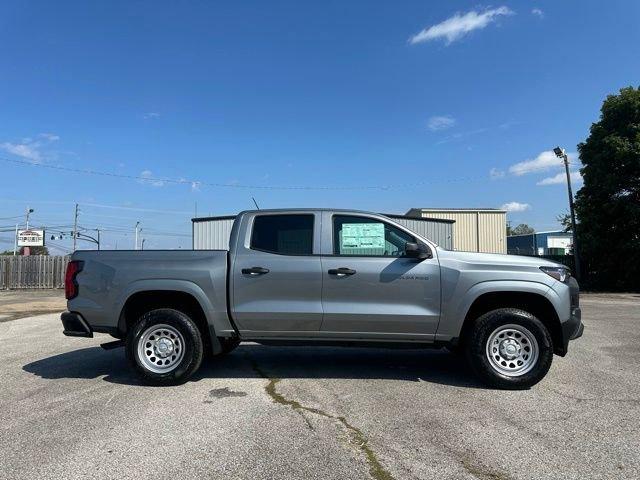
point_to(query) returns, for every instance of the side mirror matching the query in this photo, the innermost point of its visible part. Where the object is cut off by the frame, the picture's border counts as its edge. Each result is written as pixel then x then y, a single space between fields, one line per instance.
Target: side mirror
pixel 415 250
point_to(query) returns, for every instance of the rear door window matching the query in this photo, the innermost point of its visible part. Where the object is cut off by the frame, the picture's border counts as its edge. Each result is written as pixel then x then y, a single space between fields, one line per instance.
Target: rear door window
pixel 283 234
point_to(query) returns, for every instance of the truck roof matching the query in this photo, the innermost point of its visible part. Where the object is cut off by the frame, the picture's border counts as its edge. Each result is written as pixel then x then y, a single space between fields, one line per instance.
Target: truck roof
pixel 339 210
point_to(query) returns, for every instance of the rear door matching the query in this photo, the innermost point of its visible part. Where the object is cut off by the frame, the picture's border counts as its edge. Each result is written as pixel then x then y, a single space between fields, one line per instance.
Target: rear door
pixel 277 277
pixel 370 288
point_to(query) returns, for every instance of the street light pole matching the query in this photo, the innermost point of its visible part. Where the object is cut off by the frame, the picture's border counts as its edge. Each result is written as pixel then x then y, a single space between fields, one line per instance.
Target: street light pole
pixel 27 250
pixel 560 153
pixel 15 243
pixel 29 211
pixel 75 227
pixel 136 246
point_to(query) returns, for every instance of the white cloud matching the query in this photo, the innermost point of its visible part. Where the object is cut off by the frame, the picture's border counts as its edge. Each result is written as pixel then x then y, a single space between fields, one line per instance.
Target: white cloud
pixel 537 12
pixel 561 178
pixel 29 148
pixel 456 27
pixel 147 177
pixel 496 174
pixel 544 162
pixel 515 207
pixel 150 115
pixel 461 135
pixel 51 137
pixel 25 150
pixel 195 185
pixel 440 122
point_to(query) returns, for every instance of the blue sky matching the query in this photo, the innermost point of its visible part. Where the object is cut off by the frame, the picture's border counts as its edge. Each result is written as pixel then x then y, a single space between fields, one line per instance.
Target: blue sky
pixel 376 106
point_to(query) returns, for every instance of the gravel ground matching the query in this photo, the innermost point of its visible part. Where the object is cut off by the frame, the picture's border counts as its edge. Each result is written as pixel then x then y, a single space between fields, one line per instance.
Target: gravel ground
pixel 21 303
pixel 68 409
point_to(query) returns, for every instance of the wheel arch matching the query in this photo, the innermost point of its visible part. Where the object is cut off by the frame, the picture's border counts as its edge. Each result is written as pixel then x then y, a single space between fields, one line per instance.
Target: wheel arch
pixel 535 303
pixel 182 296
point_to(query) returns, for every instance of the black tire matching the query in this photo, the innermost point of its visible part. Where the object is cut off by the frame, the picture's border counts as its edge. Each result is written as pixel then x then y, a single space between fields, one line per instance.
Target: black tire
pixel 191 346
pixel 489 372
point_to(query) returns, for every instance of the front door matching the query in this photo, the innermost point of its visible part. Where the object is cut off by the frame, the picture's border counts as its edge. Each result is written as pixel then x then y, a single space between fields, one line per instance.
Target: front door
pixel 371 289
pixel 276 278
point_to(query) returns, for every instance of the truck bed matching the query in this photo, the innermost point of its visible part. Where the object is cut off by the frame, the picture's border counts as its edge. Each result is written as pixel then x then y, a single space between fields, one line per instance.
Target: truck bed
pixel 109 277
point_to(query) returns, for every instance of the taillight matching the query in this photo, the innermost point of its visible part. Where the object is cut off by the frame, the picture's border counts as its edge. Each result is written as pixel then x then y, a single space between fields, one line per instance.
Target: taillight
pixel 70 284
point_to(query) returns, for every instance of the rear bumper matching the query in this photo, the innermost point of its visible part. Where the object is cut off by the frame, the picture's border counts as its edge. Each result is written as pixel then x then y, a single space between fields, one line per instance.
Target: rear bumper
pixel 75 326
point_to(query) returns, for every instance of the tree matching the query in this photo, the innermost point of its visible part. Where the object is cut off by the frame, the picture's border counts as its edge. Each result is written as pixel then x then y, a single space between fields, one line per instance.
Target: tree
pixel 565 220
pixel 522 229
pixel 608 204
pixel 34 251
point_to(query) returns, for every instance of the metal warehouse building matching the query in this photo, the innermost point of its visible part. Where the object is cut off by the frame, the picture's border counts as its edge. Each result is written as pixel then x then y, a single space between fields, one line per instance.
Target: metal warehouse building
pixel 474 230
pixel 210 233
pixel 555 242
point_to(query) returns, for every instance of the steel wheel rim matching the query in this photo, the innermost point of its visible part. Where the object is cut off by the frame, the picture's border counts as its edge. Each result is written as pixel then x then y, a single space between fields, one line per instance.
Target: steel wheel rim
pixel 161 348
pixel 512 350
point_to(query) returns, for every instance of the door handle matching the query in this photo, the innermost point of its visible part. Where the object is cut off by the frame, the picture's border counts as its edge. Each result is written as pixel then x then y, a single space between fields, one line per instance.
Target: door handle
pixel 342 271
pixel 255 271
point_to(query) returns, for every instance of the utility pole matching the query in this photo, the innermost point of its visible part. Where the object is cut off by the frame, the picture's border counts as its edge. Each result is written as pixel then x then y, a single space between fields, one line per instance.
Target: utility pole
pixel 98 230
pixel 15 243
pixel 75 227
pixel 560 153
pixel 136 246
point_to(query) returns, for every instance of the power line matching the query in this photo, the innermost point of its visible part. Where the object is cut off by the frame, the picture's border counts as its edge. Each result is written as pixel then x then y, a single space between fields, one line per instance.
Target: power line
pixel 59 247
pixel 237 185
pixel 96 205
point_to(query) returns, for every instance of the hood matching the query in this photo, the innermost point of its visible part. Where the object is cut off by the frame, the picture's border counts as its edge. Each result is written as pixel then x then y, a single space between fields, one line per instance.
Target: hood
pixel 497 259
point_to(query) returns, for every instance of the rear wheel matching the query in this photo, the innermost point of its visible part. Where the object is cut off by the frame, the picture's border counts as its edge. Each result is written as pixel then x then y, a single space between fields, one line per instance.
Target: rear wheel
pixel 509 348
pixel 164 347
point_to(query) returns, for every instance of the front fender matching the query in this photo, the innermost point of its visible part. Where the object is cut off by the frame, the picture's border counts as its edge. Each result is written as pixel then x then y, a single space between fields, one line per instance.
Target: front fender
pixel 457 306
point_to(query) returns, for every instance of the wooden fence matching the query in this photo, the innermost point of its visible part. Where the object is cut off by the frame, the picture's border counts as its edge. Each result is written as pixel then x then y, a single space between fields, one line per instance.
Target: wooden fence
pixel 36 271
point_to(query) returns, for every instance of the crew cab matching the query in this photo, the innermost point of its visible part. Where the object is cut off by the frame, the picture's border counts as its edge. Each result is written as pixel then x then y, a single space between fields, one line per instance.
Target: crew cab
pixel 324 277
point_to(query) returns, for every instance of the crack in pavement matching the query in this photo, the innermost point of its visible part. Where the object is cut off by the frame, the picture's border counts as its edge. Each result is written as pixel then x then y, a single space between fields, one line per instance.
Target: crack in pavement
pixel 356 436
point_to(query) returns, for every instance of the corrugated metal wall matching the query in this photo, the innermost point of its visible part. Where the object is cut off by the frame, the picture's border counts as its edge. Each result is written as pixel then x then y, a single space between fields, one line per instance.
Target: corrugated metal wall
pixel 439 232
pixel 473 230
pixel 493 232
pixel 214 233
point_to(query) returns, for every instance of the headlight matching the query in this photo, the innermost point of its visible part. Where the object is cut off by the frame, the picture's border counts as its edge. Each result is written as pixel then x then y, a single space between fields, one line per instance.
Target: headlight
pixel 562 274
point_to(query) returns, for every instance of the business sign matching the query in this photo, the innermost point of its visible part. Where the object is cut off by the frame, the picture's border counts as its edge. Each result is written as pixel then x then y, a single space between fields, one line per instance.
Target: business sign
pixel 31 238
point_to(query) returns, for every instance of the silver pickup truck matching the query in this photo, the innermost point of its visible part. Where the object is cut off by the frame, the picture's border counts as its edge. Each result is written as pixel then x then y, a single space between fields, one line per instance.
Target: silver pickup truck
pixel 324 277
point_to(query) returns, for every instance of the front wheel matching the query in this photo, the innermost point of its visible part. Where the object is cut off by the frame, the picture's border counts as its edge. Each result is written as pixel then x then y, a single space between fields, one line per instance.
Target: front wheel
pixel 164 347
pixel 509 348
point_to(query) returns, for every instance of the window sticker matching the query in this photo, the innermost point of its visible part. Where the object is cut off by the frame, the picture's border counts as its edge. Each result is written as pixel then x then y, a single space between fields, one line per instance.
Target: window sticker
pixel 361 235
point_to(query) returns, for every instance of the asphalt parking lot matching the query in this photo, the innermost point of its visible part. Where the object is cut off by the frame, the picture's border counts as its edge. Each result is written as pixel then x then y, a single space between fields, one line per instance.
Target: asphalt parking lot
pixel 69 409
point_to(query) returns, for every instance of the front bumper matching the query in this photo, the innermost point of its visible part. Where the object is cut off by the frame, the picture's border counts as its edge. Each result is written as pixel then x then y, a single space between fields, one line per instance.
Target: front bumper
pixel 572 328
pixel 75 325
